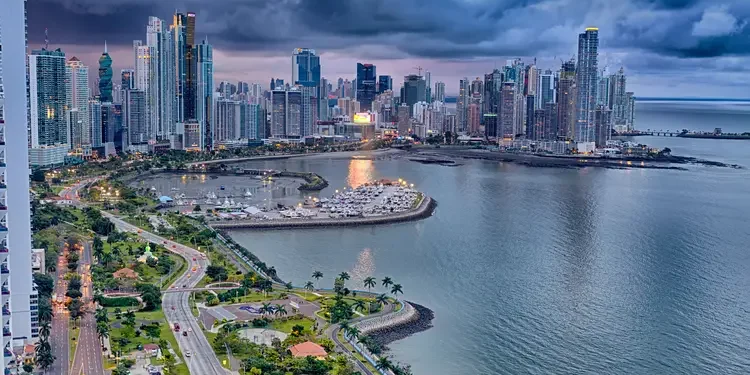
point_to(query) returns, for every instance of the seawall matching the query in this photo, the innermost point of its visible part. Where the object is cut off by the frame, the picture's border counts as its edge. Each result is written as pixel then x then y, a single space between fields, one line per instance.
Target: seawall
pixel 424 210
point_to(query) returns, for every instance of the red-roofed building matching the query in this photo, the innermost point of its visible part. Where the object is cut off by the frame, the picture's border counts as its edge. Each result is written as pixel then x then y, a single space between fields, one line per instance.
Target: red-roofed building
pixel 308 348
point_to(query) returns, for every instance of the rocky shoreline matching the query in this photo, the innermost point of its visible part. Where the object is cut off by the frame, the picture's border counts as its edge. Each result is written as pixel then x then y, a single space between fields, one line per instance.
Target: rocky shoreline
pixel 420 323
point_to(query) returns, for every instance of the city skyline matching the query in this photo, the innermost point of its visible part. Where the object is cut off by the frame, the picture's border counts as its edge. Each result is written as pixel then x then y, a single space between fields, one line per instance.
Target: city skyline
pixel 699 52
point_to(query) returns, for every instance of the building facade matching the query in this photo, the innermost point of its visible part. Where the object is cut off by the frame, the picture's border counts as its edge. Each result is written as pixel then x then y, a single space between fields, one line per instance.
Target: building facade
pixel 77 92
pixel 587 73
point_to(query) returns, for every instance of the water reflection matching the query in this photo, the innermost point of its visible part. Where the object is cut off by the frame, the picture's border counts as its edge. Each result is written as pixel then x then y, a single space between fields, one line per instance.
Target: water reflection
pixel 360 172
pixel 364 268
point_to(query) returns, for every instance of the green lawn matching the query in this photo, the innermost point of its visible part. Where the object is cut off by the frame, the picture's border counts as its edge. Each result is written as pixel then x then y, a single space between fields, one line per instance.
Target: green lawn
pixel 286 326
pixel 73 334
pixel 356 354
pixel 166 333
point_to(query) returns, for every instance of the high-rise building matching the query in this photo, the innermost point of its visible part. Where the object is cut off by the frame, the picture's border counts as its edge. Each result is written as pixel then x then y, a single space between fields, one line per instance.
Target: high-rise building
pixel 546 93
pixel 324 90
pixel 17 316
pixel 490 125
pixel 474 114
pixel 385 83
pixel 507 113
pixel 439 93
pixel 77 93
pixel 286 109
pixel 105 76
pixel 127 79
pixel 160 43
pixel 146 73
pixel 618 97
pixel 531 116
pixel 135 117
pixel 112 129
pixel 228 120
pixel 602 125
pixel 190 99
pixel 462 104
pixel 629 111
pixel 550 121
pixel 178 29
pixel 404 120
pixel 414 90
pixel 366 85
pixel 428 86
pixel 492 85
pixel 47 98
pixel 203 93
pixel 587 71
pixel 306 73
pixel 566 101
pixel 535 126
pixel 95 122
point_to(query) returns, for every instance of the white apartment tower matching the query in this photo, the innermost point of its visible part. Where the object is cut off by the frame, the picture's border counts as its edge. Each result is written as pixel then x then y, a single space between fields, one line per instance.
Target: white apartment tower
pixel 77 89
pixel 16 285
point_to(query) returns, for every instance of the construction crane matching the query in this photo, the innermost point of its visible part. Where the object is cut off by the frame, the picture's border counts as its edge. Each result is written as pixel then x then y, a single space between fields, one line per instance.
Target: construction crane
pixel 419 70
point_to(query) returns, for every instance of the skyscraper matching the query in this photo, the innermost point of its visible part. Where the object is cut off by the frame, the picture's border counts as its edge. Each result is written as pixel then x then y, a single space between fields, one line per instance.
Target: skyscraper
pixel 190 88
pixel 462 104
pixel 428 86
pixel 203 93
pixel 15 217
pixel 105 76
pixel 385 83
pixel 146 73
pixel 47 97
pixel 366 85
pixel 619 101
pixel 587 71
pixel 286 108
pixel 492 84
pixel 306 73
pixel 414 90
pixel 77 93
pixel 507 112
pixel 179 30
pixel 546 93
pixel 566 101
pixel 135 117
pixel 159 41
pixel 439 93
pixel 127 79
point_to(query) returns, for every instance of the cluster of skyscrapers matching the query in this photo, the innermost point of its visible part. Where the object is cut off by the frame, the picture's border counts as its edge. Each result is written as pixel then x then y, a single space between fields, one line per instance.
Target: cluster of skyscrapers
pixel 579 102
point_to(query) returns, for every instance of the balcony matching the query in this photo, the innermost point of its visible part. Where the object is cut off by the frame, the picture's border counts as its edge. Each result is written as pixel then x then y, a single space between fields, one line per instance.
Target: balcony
pixel 6 332
pixel 3 249
pixel 5 291
pixel 3 207
pixel 6 311
pixel 3 185
pixel 2 165
pixel 3 228
pixel 4 269
pixel 7 353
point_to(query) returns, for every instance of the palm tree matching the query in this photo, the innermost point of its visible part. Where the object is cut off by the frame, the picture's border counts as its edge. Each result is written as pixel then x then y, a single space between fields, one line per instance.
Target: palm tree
pixel 289 286
pixel 102 329
pixel 45 312
pixel 352 332
pixel 383 363
pixel 369 283
pixel 317 275
pixel 396 289
pixel 359 305
pixel 344 276
pixel 279 310
pixel 308 286
pixel 101 315
pixel 387 281
pixel 44 329
pixel 382 299
pixel 266 309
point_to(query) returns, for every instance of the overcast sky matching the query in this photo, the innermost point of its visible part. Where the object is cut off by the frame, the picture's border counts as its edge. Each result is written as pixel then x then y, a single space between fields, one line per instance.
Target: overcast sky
pixel 697 48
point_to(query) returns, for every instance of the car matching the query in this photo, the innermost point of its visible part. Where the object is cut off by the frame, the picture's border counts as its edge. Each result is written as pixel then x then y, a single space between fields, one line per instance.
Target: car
pixel 188 353
pixel 165 242
pixel 140 231
pixel 174 246
pixel 190 329
pixel 173 308
pixel 194 259
pixel 184 333
pixel 184 285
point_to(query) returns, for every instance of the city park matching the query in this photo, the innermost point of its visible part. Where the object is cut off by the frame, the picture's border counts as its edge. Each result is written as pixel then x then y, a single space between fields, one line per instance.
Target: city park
pixel 131 275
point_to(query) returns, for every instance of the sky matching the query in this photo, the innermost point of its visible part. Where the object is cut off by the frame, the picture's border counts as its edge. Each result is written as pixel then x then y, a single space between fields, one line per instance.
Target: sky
pixel 676 48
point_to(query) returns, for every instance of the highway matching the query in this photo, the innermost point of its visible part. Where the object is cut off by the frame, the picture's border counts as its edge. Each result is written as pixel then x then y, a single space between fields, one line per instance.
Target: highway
pixel 88 355
pixel 59 338
pixel 202 359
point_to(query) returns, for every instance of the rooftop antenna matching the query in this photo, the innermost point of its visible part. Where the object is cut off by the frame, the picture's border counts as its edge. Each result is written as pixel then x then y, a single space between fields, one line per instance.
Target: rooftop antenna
pixel 46 39
pixel 105 46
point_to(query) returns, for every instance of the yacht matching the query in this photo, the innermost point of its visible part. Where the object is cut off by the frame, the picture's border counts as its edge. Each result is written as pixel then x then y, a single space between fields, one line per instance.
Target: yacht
pixel 248 193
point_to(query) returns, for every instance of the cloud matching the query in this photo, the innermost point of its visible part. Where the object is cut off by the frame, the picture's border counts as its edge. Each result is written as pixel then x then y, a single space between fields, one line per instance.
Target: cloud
pixel 716 21
pixel 451 37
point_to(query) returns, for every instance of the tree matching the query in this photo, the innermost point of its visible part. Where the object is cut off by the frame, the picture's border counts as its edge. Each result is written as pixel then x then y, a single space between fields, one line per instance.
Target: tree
pixel 45 285
pixel 170 365
pixel 37 175
pixel 45 310
pixel 369 282
pixel 75 308
pixel 28 368
pixel 308 286
pixel 266 308
pixel 279 310
pixel 396 289
pixel 129 319
pixel 382 299
pixel 344 276
pixel 288 286
pixel 153 331
pixel 43 353
pixel 317 275
pixel 102 330
pixel 101 315
pixel 387 281
pixel 151 296
pixel 44 329
pixel 352 332
pixel 384 363
pixel 217 273
pixel 359 305
pixel 121 369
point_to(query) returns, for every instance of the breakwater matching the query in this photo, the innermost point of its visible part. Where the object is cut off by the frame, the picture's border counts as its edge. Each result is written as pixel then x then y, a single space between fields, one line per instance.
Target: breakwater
pixel 420 321
pixel 423 210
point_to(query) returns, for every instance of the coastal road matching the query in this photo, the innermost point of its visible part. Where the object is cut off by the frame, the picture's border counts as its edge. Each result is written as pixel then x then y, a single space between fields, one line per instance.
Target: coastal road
pixel 59 337
pixel 88 355
pixel 202 359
